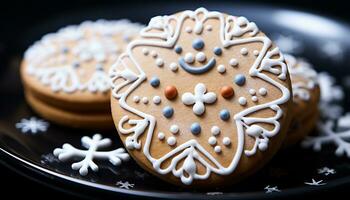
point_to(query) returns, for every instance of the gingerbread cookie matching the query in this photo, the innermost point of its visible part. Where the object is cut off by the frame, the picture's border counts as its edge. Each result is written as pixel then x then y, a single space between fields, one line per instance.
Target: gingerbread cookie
pixel 201 98
pixel 306 96
pixel 65 74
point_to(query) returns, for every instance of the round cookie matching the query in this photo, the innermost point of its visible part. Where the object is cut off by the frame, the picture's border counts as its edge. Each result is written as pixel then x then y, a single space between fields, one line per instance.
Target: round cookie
pixel 65 74
pixel 224 93
pixel 306 96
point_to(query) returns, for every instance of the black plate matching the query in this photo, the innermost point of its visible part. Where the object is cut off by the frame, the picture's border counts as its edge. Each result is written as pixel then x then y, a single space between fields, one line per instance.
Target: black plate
pixel 312 37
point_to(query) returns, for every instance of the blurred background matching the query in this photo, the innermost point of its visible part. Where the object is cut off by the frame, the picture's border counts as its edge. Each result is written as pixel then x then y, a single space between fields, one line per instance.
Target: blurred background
pixel 18 19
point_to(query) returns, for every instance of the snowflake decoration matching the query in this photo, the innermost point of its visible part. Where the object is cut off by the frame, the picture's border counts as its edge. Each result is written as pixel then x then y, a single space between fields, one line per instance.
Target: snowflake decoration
pixel 269 189
pixel 329 133
pixel 68 152
pixel 125 185
pixel 326 171
pixel 315 183
pixel 333 51
pixel 32 125
pixel 329 91
pixel 288 44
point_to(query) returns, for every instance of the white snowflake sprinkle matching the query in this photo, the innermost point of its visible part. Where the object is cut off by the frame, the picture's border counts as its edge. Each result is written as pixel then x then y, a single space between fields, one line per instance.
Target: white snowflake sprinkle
pixel 125 185
pixel 326 171
pixel 333 50
pixel 315 183
pixel 269 189
pixel 288 44
pixel 68 152
pixel 32 125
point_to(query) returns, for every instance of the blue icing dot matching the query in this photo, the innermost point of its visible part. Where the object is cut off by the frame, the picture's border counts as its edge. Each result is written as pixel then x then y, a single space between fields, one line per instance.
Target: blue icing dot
pixel 217 51
pixel 168 111
pixel 224 114
pixel 155 82
pixel 240 79
pixel 178 49
pixel 196 128
pixel 198 44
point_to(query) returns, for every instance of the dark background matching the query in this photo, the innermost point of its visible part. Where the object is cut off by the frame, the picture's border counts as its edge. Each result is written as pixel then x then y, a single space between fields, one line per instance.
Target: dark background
pixel 17 16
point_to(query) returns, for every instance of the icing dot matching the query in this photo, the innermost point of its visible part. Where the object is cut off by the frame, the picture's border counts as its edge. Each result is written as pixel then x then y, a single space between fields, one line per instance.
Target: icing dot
pixel 240 79
pixel 168 111
pixel 252 91
pixel 200 57
pixel 161 136
pixel 171 141
pixel 262 91
pixel 155 82
pixel 254 98
pixel 221 69
pixel 217 149
pixel 263 146
pixel 136 99
pixel 256 52
pixel 212 140
pixel 224 114
pixel 209 28
pixel 244 51
pixel 242 101
pixel 145 51
pixel 174 129
pixel 198 44
pixel 195 128
pixel 170 92
pixel 159 62
pixel 188 29
pixel 173 67
pixel 215 130
pixel 156 99
pixel 227 92
pixel 226 141
pixel 154 54
pixel 233 62
pixel 217 51
pixel 145 100
pixel 189 58
pixel 178 49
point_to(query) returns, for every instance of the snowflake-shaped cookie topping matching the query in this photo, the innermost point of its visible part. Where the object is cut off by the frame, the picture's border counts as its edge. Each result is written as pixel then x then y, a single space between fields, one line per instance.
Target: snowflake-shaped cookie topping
pixel 32 125
pixel 269 189
pixel 125 185
pixel 199 98
pixel 315 183
pixel 92 145
pixel 326 171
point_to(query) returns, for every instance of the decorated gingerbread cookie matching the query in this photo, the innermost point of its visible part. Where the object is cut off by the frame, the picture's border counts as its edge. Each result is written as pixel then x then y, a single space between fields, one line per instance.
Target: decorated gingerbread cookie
pixel 306 96
pixel 201 98
pixel 65 74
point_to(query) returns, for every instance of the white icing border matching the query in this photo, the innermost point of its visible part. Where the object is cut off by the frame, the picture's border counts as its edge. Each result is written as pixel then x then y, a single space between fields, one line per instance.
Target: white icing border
pixel 166 36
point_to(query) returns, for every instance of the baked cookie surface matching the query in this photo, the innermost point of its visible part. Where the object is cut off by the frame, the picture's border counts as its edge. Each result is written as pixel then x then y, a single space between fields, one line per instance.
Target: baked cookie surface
pixel 201 98
pixel 306 96
pixel 65 74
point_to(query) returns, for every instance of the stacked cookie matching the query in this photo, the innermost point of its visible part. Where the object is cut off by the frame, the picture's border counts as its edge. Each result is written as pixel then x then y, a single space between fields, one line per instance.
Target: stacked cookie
pixel 65 74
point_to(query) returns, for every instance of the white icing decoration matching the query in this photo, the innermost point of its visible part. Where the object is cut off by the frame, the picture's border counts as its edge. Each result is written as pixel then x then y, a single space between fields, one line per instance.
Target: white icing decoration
pixel 99 46
pixel 212 140
pixel 233 62
pixel 262 91
pixel 189 58
pixel 226 141
pixel 156 99
pixel 145 100
pixel 68 152
pixel 209 28
pixel 301 69
pixel 190 152
pixel 171 141
pixel 242 101
pixel 199 98
pixel 252 91
pixel 217 149
pixel 255 52
pixel 145 51
pixel 174 129
pixel 244 51
pixel 161 136
pixel 159 62
pixel 154 54
pixel 136 99
pixel 221 69
pixel 254 98
pixel 200 57
pixel 32 125
pixel 188 29
pixel 173 67
pixel 215 130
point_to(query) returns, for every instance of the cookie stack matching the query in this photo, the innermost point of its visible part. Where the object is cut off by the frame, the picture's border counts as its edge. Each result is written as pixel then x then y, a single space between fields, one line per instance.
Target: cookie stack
pixel 199 98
